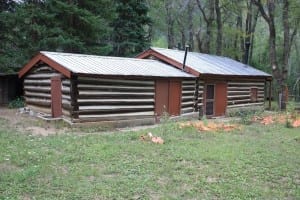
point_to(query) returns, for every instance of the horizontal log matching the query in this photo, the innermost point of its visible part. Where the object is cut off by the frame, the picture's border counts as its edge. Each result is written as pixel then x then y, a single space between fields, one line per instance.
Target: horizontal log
pixel 116 101
pixel 65 90
pixel 37 89
pixel 43 68
pixel 66 82
pixel 90 92
pixel 187 110
pixel 244 101
pixel 188 100
pixel 118 116
pixel 188 103
pixel 37 82
pixel 38 102
pixel 115 87
pixel 188 87
pixel 244 88
pixel 233 92
pixel 43 102
pixel 245 105
pixel 184 98
pixel 242 97
pixel 238 96
pixel 36 94
pixel 42 76
pixel 188 82
pixel 66 97
pixel 246 83
pixel 114 81
pixel 104 108
pixel 188 91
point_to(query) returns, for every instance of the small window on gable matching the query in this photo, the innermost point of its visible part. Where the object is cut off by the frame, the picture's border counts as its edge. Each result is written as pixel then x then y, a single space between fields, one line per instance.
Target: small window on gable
pixel 253 94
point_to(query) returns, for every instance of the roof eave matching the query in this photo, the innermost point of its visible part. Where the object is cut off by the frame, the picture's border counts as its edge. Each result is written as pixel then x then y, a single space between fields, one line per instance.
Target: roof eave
pixel 170 61
pixel 41 57
pixel 131 76
pixel 267 77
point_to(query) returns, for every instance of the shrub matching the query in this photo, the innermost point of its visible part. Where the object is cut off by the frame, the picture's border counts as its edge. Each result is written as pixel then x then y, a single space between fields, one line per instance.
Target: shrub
pixel 17 103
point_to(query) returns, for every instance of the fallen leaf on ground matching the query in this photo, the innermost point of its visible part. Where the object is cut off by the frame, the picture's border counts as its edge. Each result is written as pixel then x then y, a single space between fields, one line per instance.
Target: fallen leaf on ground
pixel 210 126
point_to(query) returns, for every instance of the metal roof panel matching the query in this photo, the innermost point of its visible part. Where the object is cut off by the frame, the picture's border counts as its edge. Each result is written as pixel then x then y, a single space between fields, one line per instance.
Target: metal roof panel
pixel 104 65
pixel 211 64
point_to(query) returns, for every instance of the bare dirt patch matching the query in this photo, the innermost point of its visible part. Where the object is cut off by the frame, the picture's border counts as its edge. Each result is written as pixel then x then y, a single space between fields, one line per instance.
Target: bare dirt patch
pixel 25 123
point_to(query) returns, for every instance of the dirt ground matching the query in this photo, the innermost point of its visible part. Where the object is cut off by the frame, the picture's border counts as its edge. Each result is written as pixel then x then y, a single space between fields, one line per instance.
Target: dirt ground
pixel 29 124
pixel 25 123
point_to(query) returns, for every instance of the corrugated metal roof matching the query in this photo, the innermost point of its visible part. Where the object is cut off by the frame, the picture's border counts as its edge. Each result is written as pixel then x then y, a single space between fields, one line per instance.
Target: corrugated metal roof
pixel 211 64
pixel 104 65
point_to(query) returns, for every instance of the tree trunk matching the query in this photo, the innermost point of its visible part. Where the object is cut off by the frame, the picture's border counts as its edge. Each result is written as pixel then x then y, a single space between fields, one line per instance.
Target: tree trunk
pixel 209 22
pixel 252 36
pixel 191 25
pixel 219 45
pixel 170 24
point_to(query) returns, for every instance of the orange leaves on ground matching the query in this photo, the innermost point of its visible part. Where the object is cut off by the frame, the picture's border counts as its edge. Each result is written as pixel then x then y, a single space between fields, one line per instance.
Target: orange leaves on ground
pixel 281 118
pixel 149 137
pixel 296 123
pixel 210 126
pixel 267 120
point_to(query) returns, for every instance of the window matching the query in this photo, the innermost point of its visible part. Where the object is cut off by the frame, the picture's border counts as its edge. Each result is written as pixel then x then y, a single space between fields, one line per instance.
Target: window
pixel 253 94
pixel 210 98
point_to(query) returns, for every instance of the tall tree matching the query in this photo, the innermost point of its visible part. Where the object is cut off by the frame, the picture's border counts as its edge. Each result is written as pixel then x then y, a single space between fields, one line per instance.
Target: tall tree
pixel 129 27
pixel 279 72
pixel 209 17
pixel 219 44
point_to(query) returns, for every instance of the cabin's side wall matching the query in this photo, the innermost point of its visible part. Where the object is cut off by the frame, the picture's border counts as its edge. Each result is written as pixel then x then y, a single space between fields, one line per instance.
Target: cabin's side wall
pixel 101 99
pixel 240 95
pixel 192 96
pixel 200 97
pixel 188 96
pixel 37 90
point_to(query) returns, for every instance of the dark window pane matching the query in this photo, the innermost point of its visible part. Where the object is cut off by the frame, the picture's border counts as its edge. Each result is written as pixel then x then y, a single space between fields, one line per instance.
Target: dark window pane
pixel 209 108
pixel 210 92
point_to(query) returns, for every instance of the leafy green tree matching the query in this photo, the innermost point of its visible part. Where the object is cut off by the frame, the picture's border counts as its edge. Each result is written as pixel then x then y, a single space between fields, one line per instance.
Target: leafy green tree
pixel 130 27
pixel 53 25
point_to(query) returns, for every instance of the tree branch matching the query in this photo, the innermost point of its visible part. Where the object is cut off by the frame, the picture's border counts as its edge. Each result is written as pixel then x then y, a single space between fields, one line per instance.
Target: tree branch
pixel 261 9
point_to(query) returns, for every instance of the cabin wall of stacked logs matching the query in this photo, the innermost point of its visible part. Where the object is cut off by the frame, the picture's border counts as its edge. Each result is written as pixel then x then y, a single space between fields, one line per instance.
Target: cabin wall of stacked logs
pixel 100 99
pixel 37 90
pixel 239 93
pixel 192 92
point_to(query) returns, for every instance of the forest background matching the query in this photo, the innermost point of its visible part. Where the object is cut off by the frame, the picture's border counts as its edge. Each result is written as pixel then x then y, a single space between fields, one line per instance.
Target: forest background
pixel 262 33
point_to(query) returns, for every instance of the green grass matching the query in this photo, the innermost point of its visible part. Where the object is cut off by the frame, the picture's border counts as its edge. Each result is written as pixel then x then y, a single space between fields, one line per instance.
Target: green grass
pixel 258 162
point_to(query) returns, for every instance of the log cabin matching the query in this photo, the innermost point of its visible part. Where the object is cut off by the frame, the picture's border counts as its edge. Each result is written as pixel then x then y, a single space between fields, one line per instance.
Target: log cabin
pixel 89 88
pixel 223 85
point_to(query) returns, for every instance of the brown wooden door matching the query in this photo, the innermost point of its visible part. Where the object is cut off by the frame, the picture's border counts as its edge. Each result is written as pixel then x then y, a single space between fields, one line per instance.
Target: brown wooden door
pixel 161 96
pixel 56 97
pixel 174 97
pixel 221 99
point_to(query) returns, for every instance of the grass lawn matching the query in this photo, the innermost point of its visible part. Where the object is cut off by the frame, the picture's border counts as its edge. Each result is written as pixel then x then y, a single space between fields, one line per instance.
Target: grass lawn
pixel 257 162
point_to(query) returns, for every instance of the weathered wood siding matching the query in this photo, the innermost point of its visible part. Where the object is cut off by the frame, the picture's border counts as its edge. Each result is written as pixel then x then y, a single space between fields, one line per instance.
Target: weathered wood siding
pixel 188 96
pixel 37 90
pixel 192 92
pixel 239 94
pixel 114 99
pixel 200 95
